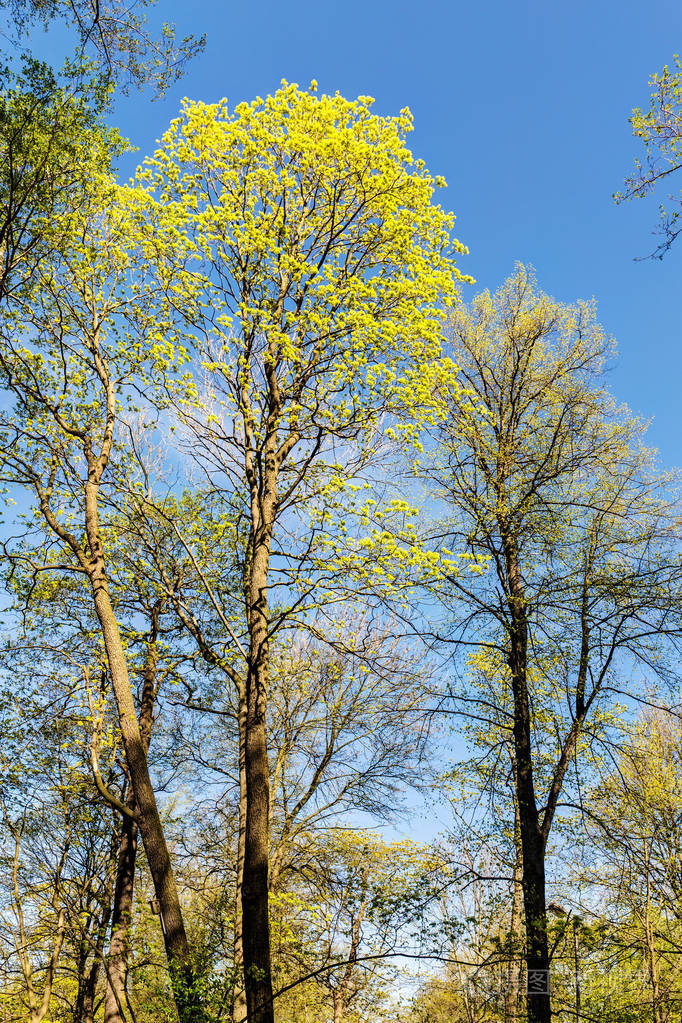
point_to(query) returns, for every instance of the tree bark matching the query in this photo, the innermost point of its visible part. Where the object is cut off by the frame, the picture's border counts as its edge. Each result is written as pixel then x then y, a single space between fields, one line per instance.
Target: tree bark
pixel 147 811
pixel 115 997
pixel 255 919
pixel 119 944
pixel 512 989
pixel 338 1005
pixel 145 798
pixel 255 888
pixel 532 838
pixel 239 998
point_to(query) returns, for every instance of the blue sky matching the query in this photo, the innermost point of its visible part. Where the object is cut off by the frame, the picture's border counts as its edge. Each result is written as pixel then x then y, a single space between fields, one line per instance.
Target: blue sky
pixel 523 107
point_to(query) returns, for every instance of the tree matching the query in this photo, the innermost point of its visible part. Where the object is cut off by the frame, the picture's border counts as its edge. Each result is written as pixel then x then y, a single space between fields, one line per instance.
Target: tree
pixel 75 347
pixel 45 128
pixel 660 129
pixel 57 840
pixel 48 120
pixel 358 904
pixel 483 912
pixel 323 264
pixel 551 483
pixel 635 824
pixel 56 640
pixel 113 37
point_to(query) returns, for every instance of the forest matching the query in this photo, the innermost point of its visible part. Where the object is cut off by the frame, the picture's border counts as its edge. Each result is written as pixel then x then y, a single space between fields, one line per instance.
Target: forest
pixel 342 598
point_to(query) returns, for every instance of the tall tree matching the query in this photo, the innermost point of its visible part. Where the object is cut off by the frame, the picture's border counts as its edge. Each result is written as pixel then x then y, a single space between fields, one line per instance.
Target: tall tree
pixel 324 265
pixel 75 347
pixel 551 483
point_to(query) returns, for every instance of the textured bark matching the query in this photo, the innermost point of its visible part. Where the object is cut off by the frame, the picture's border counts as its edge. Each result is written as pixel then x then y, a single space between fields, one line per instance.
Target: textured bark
pixel 239 999
pixel 255 888
pixel 147 811
pixel 513 978
pixel 119 945
pixel 531 831
pixel 339 1007
pixel 255 924
pixel 115 998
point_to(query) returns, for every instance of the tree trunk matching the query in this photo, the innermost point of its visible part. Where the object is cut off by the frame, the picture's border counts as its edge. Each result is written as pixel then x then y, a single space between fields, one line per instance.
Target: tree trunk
pixel 89 990
pixel 339 1007
pixel 532 839
pixel 119 946
pixel 255 923
pixel 239 998
pixel 149 821
pixel 535 913
pixel 512 988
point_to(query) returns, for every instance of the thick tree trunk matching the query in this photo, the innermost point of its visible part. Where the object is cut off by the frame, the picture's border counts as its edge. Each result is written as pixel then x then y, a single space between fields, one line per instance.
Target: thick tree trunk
pixel 239 999
pixel 151 829
pixel 532 839
pixel 255 922
pixel 535 913
pixel 255 889
pixel 338 1006
pixel 514 971
pixel 119 946
pixel 148 817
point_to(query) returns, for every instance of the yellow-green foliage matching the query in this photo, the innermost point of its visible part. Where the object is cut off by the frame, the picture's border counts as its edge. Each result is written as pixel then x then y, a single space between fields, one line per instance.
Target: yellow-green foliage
pixel 321 268
pixel 322 248
pixel 660 130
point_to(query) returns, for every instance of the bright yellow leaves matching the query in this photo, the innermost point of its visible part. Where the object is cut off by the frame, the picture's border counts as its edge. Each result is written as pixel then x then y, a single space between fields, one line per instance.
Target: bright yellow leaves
pixel 320 250
pixel 321 269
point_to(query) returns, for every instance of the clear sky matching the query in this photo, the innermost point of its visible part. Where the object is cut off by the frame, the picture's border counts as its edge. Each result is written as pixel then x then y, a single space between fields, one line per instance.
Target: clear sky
pixel 522 106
